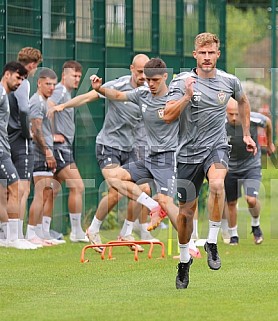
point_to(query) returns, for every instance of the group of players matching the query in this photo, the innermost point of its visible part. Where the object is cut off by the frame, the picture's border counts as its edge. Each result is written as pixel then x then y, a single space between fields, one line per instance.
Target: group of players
pixel 188 130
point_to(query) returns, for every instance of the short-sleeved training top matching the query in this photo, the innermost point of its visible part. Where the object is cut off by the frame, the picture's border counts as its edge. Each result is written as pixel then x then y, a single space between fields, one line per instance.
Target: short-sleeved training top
pixel 161 137
pixel 202 122
pixel 118 130
pixel 240 158
pixel 64 120
pixel 19 125
pixel 4 118
pixel 38 109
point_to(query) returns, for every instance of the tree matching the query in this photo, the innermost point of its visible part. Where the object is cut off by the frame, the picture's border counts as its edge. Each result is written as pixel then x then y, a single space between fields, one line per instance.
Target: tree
pixel 255 4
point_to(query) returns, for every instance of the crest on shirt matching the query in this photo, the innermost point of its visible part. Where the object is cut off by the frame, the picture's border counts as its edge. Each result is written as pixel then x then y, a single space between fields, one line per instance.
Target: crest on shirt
pixel 222 97
pixel 160 113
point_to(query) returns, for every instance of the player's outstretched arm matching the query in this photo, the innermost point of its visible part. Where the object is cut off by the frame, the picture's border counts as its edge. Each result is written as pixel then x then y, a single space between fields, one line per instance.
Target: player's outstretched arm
pixel 109 93
pixel 77 101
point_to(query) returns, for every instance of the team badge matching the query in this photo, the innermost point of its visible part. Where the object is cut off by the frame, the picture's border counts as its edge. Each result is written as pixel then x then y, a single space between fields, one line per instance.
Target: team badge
pixel 160 113
pixel 222 97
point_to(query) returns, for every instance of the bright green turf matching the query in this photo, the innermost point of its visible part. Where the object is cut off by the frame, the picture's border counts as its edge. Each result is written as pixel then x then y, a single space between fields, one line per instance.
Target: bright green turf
pixel 51 283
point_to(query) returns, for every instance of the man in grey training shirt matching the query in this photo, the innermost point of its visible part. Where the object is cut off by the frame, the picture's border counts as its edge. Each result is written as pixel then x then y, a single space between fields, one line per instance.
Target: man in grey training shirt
pixel 44 160
pixel 115 142
pixel 12 76
pixel 245 169
pixel 63 136
pixel 19 128
pixel 162 141
pixel 198 100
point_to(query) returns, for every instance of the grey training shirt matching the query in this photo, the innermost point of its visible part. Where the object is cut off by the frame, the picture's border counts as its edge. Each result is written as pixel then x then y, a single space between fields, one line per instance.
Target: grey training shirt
pixel 202 122
pixel 4 118
pixel 161 137
pixel 118 129
pixel 240 159
pixel 19 124
pixel 38 109
pixel 64 120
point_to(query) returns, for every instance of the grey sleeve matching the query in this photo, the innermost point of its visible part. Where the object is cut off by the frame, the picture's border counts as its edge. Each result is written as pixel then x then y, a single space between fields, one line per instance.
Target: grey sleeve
pixel 259 119
pixel 176 90
pixel 134 95
pixel 238 90
pixel 22 98
pixel 57 96
pixel 36 109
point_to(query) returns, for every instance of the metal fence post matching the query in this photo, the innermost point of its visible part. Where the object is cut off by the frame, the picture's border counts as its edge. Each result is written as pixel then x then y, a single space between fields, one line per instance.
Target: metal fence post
pixel 273 64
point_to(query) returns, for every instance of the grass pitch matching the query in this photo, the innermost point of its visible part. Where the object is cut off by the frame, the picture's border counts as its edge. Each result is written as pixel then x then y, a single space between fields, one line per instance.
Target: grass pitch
pixel 51 284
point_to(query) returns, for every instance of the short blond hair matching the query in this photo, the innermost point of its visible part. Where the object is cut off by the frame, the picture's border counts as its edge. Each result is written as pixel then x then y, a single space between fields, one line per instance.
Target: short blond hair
pixel 29 54
pixel 206 38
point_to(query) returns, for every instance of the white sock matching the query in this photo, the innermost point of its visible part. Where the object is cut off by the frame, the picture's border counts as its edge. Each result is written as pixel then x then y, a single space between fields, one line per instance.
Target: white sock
pixel 192 245
pixel 31 232
pixel 20 229
pixel 7 230
pixel 46 221
pixel 13 226
pixel 184 252
pixel 145 234
pixel 75 222
pixel 129 228
pixel 214 228
pixel 224 224
pixel 4 226
pixel 233 231
pixel 146 200
pixel 38 230
pixel 195 228
pixel 144 227
pixel 95 225
pixel 123 230
pixel 255 221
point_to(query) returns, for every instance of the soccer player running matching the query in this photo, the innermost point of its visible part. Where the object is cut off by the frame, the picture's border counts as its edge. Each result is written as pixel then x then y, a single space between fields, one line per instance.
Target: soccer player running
pixel 198 100
pixel 245 169
pixel 12 76
pixel 162 141
pixel 115 142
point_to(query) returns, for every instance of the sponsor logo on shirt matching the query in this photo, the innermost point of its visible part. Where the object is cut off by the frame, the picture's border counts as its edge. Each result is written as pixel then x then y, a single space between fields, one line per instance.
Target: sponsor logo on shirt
pixel 144 107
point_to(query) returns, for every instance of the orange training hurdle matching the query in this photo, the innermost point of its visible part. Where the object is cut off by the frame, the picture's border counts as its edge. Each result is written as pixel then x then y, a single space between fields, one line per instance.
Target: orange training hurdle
pixel 111 244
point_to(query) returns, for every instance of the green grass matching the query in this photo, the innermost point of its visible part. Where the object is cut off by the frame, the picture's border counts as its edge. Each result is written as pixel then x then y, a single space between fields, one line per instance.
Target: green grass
pixel 52 284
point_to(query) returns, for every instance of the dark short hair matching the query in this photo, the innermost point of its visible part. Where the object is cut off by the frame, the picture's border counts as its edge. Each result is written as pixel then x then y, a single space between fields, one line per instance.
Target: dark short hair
pixel 15 66
pixel 155 66
pixel 73 64
pixel 47 73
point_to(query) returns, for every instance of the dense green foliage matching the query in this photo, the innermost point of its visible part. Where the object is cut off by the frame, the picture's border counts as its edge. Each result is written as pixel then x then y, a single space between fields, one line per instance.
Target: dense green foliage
pixel 244 28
